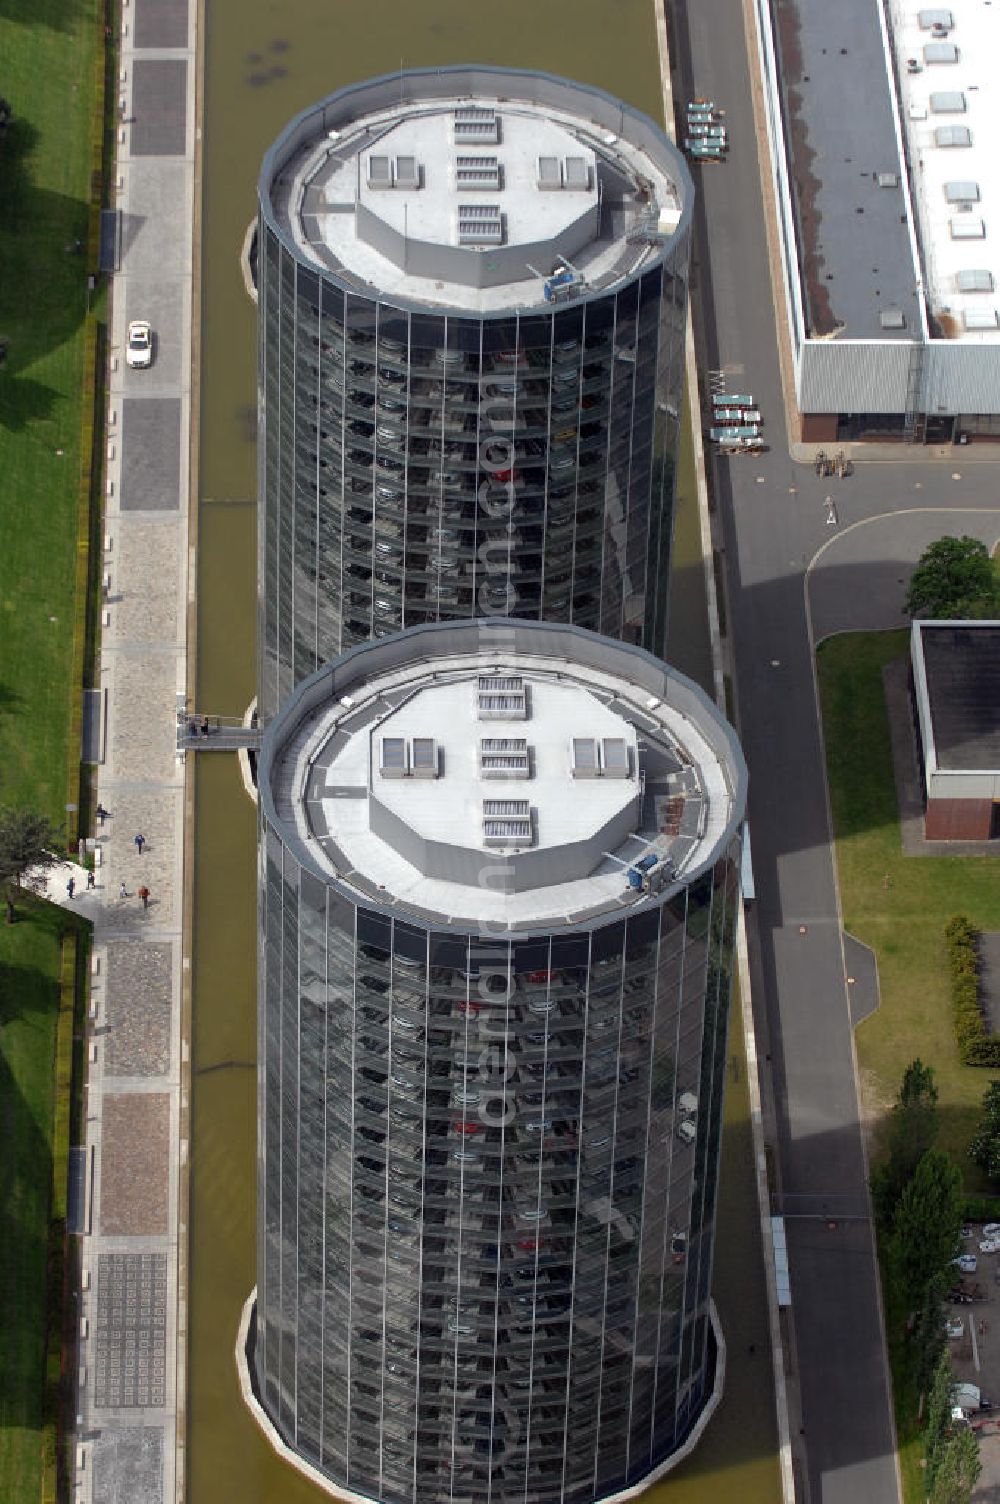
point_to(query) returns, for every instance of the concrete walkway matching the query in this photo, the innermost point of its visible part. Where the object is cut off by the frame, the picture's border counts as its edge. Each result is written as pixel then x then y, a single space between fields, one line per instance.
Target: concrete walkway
pixel 130 1425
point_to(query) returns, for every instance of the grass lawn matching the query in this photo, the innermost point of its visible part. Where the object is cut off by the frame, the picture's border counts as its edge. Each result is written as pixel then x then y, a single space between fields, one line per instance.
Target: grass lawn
pixel 29 969
pixel 49 53
pixel 905 921
pixel 45 166
pixel 899 905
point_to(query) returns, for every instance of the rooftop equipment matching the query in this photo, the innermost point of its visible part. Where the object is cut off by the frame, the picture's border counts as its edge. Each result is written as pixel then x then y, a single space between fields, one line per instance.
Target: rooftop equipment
pixel 504 757
pixel 507 822
pixel 393 757
pixel 947 102
pixel 974 280
pixel 940 52
pixel 424 757
pixel 475 122
pixel 477 172
pixel 952 135
pixel 480 225
pixel 502 697
pixel 979 318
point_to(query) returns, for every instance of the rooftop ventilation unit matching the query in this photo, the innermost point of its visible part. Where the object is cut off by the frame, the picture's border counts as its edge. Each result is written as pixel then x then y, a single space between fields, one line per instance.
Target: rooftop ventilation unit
pixel 504 757
pixel 947 102
pixel 424 763
pixel 576 173
pixel 892 318
pixel 388 172
pixel 480 224
pixel 477 172
pixel 394 759
pixel 476 123
pixel 940 52
pixel 585 759
pixel 379 172
pixel 407 172
pixel 502 697
pixel 974 280
pixel 607 758
pixel 931 20
pixel 549 173
pixel 952 135
pixel 887 180
pixel 507 822
pixel 979 318
pixel 967 227
pixel 614 757
pixel 962 191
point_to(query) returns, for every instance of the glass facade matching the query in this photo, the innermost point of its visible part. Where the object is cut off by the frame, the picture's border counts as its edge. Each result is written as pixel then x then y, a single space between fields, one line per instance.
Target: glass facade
pixel 487 1179
pixel 420 464
pixel 488 1152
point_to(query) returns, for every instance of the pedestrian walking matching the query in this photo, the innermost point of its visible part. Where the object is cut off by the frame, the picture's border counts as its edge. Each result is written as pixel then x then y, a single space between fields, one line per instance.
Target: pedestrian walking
pixel 144 895
pixel 204 725
pixel 122 890
pixel 91 879
pixel 140 841
pixel 101 813
pixel 70 886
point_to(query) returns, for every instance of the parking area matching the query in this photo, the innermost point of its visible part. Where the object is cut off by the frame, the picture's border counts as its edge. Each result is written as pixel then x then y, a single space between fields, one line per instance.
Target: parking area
pixel 975 1353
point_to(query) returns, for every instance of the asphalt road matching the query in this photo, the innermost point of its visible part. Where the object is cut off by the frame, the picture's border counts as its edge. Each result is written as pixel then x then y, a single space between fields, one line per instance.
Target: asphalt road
pixel 774 521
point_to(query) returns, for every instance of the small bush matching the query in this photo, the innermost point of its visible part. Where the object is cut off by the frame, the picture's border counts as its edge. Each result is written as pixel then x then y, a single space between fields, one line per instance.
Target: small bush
pixel 975 1045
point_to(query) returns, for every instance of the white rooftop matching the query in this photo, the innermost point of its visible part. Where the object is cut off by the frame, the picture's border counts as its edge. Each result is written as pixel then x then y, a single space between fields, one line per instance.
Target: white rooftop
pixel 449 808
pixel 420 841
pixel 956 186
pixel 385 199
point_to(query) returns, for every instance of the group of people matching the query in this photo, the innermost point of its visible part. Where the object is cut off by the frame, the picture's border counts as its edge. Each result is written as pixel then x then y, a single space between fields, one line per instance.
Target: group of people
pixel 139 841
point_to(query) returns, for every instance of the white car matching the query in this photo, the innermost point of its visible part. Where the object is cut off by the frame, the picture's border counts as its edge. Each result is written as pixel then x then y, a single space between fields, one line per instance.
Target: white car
pixel 991 1229
pixel 966 1262
pixel 989 1245
pixel 139 349
pixel 954 1327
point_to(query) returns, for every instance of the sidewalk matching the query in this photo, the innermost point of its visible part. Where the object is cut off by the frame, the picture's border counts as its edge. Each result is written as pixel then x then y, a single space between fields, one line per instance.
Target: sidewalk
pixel 130 1392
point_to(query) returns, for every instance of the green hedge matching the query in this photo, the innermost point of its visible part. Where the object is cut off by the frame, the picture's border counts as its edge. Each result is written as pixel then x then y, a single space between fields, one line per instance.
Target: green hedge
pixel 975 1045
pixel 981 1209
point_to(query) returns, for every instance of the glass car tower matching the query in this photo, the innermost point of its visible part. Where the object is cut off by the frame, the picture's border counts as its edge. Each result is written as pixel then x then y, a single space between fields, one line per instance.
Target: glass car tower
pixel 472 298
pixel 499 870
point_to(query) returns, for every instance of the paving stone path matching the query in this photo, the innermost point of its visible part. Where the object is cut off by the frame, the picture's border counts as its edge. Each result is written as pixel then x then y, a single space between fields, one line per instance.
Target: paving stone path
pixel 130 1425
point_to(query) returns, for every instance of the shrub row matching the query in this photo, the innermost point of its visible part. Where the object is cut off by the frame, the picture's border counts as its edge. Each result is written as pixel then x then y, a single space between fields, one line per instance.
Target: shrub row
pixel 981 1208
pixel 975 1045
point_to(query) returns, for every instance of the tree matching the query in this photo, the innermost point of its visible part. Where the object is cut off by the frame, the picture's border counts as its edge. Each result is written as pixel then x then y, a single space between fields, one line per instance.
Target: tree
pixel 911 1131
pixel 958 1469
pixel 954 581
pixel 939 1427
pixel 926 1230
pixel 985 1146
pixel 26 841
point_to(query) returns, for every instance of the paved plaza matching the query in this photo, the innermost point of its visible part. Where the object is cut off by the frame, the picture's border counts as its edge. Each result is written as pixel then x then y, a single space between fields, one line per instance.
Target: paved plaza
pixel 127 1175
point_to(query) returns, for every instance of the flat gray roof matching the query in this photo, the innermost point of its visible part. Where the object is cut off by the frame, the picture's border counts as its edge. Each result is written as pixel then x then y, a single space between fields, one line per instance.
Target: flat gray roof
pixel 374 773
pixel 468 188
pixel 958 663
pixel 855 246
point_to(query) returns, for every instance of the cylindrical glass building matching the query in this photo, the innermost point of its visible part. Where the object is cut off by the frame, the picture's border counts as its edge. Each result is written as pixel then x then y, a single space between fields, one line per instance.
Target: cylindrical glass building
pixel 498 882
pixel 473 293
